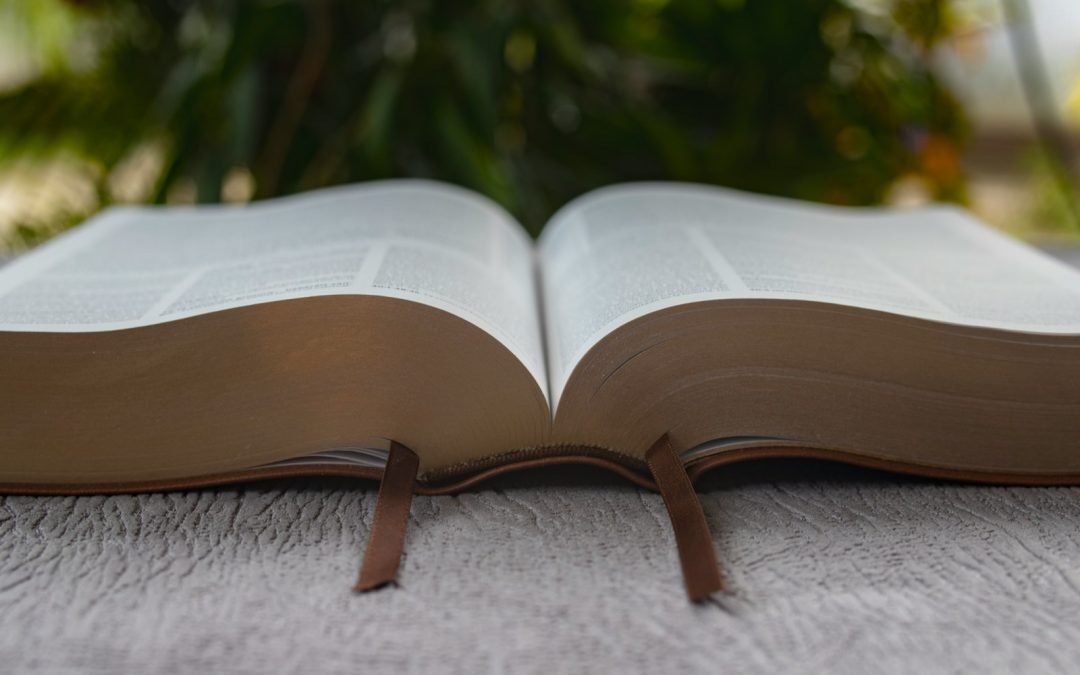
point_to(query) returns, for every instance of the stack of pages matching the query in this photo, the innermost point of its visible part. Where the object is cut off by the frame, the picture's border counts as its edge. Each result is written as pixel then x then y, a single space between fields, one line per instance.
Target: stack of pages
pixel 155 348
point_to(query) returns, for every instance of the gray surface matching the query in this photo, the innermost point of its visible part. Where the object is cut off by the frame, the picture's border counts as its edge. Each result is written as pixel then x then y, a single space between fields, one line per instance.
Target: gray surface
pixel 830 569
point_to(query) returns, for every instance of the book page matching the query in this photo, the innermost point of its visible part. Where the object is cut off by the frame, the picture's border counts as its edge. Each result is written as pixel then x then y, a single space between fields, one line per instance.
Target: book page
pixel 622 252
pixel 422 241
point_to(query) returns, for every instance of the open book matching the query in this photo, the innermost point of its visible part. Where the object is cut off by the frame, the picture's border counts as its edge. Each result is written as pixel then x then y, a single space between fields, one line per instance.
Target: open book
pixel 157 348
pixel 186 344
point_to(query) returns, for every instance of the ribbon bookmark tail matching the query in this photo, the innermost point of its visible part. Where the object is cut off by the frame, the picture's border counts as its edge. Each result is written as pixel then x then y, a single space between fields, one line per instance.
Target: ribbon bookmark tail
pixel 387 539
pixel 701 573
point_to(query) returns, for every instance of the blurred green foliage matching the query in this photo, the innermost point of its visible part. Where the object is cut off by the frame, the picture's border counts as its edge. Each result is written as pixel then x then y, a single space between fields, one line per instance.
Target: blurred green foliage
pixel 530 103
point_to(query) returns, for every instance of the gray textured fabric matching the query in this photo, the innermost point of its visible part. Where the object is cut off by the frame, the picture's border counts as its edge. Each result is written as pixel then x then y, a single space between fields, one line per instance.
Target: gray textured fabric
pixel 830 569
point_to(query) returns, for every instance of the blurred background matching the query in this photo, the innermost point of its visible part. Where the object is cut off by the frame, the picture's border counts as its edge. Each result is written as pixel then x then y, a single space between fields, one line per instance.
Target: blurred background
pixel 532 103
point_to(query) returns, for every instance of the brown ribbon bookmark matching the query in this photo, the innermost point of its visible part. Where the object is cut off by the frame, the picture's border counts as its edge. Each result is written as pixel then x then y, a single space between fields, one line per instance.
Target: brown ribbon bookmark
pixel 387 539
pixel 701 573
